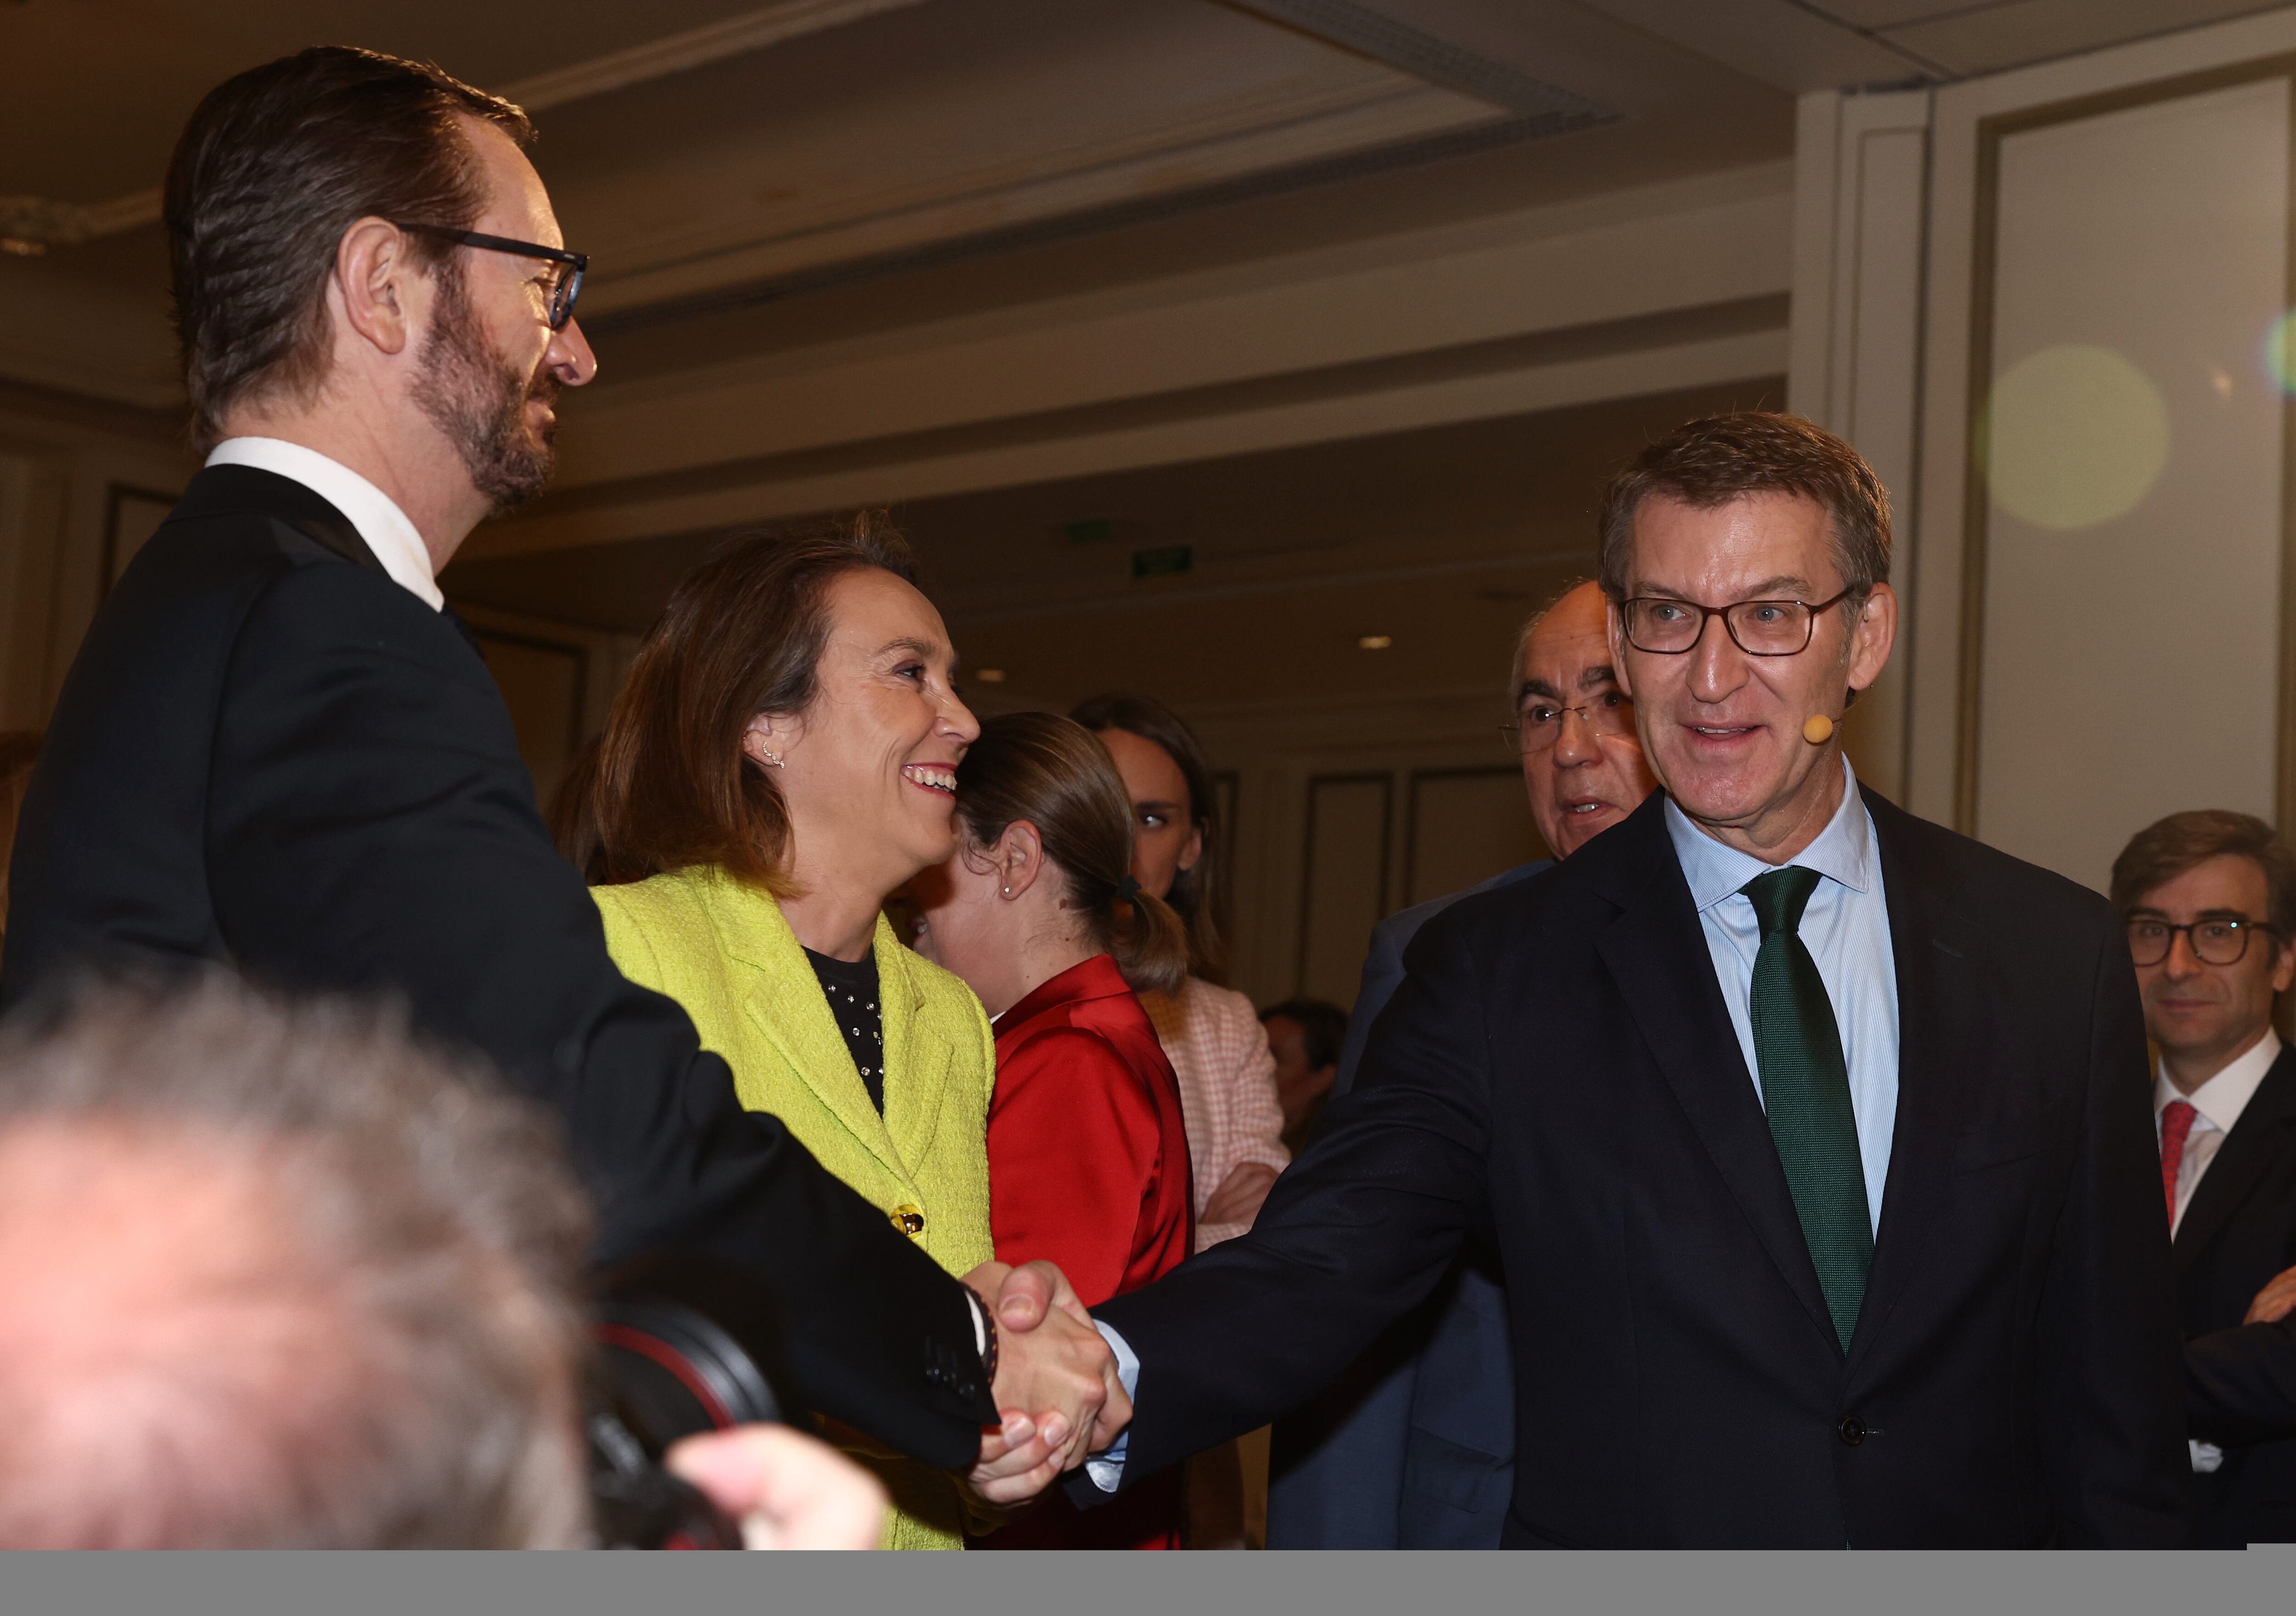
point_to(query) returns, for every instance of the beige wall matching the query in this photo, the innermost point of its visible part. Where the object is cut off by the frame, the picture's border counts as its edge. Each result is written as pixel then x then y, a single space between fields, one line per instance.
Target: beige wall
pixel 2072 662
pixel 78 486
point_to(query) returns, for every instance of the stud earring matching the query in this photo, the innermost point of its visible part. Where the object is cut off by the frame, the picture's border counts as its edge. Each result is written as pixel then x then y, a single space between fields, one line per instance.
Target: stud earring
pixel 1008 892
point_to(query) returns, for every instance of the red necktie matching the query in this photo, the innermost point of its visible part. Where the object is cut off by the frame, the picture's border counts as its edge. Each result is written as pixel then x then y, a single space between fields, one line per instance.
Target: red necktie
pixel 2176 1120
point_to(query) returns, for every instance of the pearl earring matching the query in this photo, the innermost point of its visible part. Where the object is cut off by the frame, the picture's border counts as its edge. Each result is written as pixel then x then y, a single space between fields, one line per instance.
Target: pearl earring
pixel 770 756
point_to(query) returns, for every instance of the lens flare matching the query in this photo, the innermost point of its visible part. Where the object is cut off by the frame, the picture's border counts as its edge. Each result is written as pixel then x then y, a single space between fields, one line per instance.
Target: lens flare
pixel 2073 435
pixel 2280 353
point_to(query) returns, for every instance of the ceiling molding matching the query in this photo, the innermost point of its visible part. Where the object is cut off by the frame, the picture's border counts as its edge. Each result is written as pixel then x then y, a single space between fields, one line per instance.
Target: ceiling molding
pixel 1424 56
pixel 1093 220
pixel 758 31
pixel 725 497
pixel 1389 373
pixel 1269 129
pixel 31 226
pixel 1680 245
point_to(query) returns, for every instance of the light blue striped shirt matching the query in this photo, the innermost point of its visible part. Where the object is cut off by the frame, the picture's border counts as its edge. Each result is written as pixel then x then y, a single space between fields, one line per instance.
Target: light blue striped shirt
pixel 1847 930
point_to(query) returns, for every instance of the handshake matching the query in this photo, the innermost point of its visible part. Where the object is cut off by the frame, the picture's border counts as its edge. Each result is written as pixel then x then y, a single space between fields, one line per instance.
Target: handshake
pixel 1056 1385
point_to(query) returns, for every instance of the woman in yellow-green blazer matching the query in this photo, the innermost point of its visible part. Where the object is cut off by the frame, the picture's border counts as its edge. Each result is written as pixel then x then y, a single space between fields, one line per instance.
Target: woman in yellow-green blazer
pixel 781 758
pixel 724 951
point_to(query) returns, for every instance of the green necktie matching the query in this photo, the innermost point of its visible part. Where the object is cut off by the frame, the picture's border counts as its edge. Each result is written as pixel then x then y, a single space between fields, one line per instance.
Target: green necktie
pixel 1806 1095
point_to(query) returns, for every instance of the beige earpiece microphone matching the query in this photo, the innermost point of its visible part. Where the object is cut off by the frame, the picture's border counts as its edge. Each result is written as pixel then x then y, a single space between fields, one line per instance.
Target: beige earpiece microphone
pixel 1817 729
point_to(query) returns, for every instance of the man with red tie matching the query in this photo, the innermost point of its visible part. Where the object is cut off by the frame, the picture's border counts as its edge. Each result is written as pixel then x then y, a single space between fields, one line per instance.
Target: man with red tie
pixel 2210 897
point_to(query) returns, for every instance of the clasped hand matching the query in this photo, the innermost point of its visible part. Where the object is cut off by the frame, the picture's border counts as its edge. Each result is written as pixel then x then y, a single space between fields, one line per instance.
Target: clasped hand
pixel 1057 1387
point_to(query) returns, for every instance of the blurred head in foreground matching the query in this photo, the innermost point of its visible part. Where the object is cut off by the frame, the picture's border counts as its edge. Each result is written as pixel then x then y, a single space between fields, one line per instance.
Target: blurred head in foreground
pixel 277 1278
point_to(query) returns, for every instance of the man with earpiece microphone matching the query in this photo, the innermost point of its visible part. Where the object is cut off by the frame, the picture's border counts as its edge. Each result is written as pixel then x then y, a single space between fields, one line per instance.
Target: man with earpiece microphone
pixel 1813 1137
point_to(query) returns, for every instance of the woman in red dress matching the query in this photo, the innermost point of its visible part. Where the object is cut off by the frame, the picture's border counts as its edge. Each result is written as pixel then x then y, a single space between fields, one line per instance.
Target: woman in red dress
pixel 1087 1154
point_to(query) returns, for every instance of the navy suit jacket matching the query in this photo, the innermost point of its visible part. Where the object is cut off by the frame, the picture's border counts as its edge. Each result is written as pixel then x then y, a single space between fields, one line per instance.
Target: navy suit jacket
pixel 1413 1448
pixel 2240 1379
pixel 1559 1068
pixel 271 756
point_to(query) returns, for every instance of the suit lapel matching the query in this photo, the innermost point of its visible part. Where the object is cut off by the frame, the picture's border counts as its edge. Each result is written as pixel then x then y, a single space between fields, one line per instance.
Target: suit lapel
pixel 1940 1042
pixel 2266 1123
pixel 913 1049
pixel 1656 954
pixel 785 1003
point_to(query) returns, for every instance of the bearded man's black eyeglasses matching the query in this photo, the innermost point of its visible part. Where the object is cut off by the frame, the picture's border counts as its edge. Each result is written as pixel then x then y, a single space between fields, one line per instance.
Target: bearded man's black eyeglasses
pixel 563 289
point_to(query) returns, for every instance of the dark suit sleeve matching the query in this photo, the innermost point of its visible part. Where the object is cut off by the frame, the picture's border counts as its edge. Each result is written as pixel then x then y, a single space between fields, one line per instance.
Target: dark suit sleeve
pixel 1336 1475
pixel 2110 1383
pixel 373 829
pixel 1383 973
pixel 2240 1384
pixel 1352 1236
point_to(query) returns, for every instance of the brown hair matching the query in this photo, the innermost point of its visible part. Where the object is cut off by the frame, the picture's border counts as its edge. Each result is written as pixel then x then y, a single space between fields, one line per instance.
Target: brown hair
pixel 669 787
pixel 401 1211
pixel 1051 772
pixel 2168 848
pixel 1711 461
pixel 1198 896
pixel 274 167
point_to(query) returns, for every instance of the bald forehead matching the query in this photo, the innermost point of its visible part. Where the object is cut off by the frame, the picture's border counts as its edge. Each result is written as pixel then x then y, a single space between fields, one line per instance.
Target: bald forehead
pixel 1569 651
pixel 96 1214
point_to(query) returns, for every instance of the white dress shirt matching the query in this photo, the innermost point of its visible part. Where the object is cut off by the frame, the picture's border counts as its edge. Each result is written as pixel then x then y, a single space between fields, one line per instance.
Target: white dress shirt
pixel 374 513
pixel 2219 1102
pixel 1846 928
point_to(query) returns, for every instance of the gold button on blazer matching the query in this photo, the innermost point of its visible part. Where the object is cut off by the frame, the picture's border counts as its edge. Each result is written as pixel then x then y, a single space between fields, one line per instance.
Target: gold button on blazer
pixel 723 950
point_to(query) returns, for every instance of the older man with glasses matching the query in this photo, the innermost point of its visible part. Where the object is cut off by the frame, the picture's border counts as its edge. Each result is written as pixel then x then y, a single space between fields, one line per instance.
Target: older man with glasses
pixel 2210 899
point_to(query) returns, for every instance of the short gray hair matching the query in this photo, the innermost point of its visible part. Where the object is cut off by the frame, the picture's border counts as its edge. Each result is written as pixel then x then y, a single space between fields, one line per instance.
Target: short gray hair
pixel 384 1348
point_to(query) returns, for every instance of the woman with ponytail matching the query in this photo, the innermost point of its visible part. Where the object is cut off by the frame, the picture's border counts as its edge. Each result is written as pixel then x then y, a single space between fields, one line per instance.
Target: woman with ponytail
pixel 1037 911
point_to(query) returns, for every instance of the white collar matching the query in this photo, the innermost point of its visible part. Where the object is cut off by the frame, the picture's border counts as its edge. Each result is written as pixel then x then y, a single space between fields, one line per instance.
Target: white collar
pixel 374 513
pixel 1843 850
pixel 2223 1097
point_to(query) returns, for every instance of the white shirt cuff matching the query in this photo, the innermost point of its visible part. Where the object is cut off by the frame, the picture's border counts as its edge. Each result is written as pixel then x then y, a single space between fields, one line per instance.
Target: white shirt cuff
pixel 980 1324
pixel 2207 1457
pixel 1106 1467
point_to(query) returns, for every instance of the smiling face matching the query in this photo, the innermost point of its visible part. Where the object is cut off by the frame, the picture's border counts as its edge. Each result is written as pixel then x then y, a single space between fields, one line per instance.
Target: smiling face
pixel 1723 730
pixel 1593 774
pixel 1165 839
pixel 869 769
pixel 2205 1016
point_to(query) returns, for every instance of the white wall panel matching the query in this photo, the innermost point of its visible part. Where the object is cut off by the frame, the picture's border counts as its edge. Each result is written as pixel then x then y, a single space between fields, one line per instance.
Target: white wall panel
pixel 2132 440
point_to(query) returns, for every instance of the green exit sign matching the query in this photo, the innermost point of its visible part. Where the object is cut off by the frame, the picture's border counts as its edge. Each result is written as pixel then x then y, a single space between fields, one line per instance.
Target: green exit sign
pixel 1165 560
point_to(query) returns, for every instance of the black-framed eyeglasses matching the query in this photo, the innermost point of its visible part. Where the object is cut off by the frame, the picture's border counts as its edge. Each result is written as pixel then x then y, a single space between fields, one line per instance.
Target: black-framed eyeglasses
pixel 2221 941
pixel 1540 723
pixel 572 266
pixel 1668 627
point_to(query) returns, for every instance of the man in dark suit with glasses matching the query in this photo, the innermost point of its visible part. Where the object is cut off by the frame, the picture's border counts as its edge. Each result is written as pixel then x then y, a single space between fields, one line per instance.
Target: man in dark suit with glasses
pixel 2210 897
pixel 276 750
pixel 1812 1137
